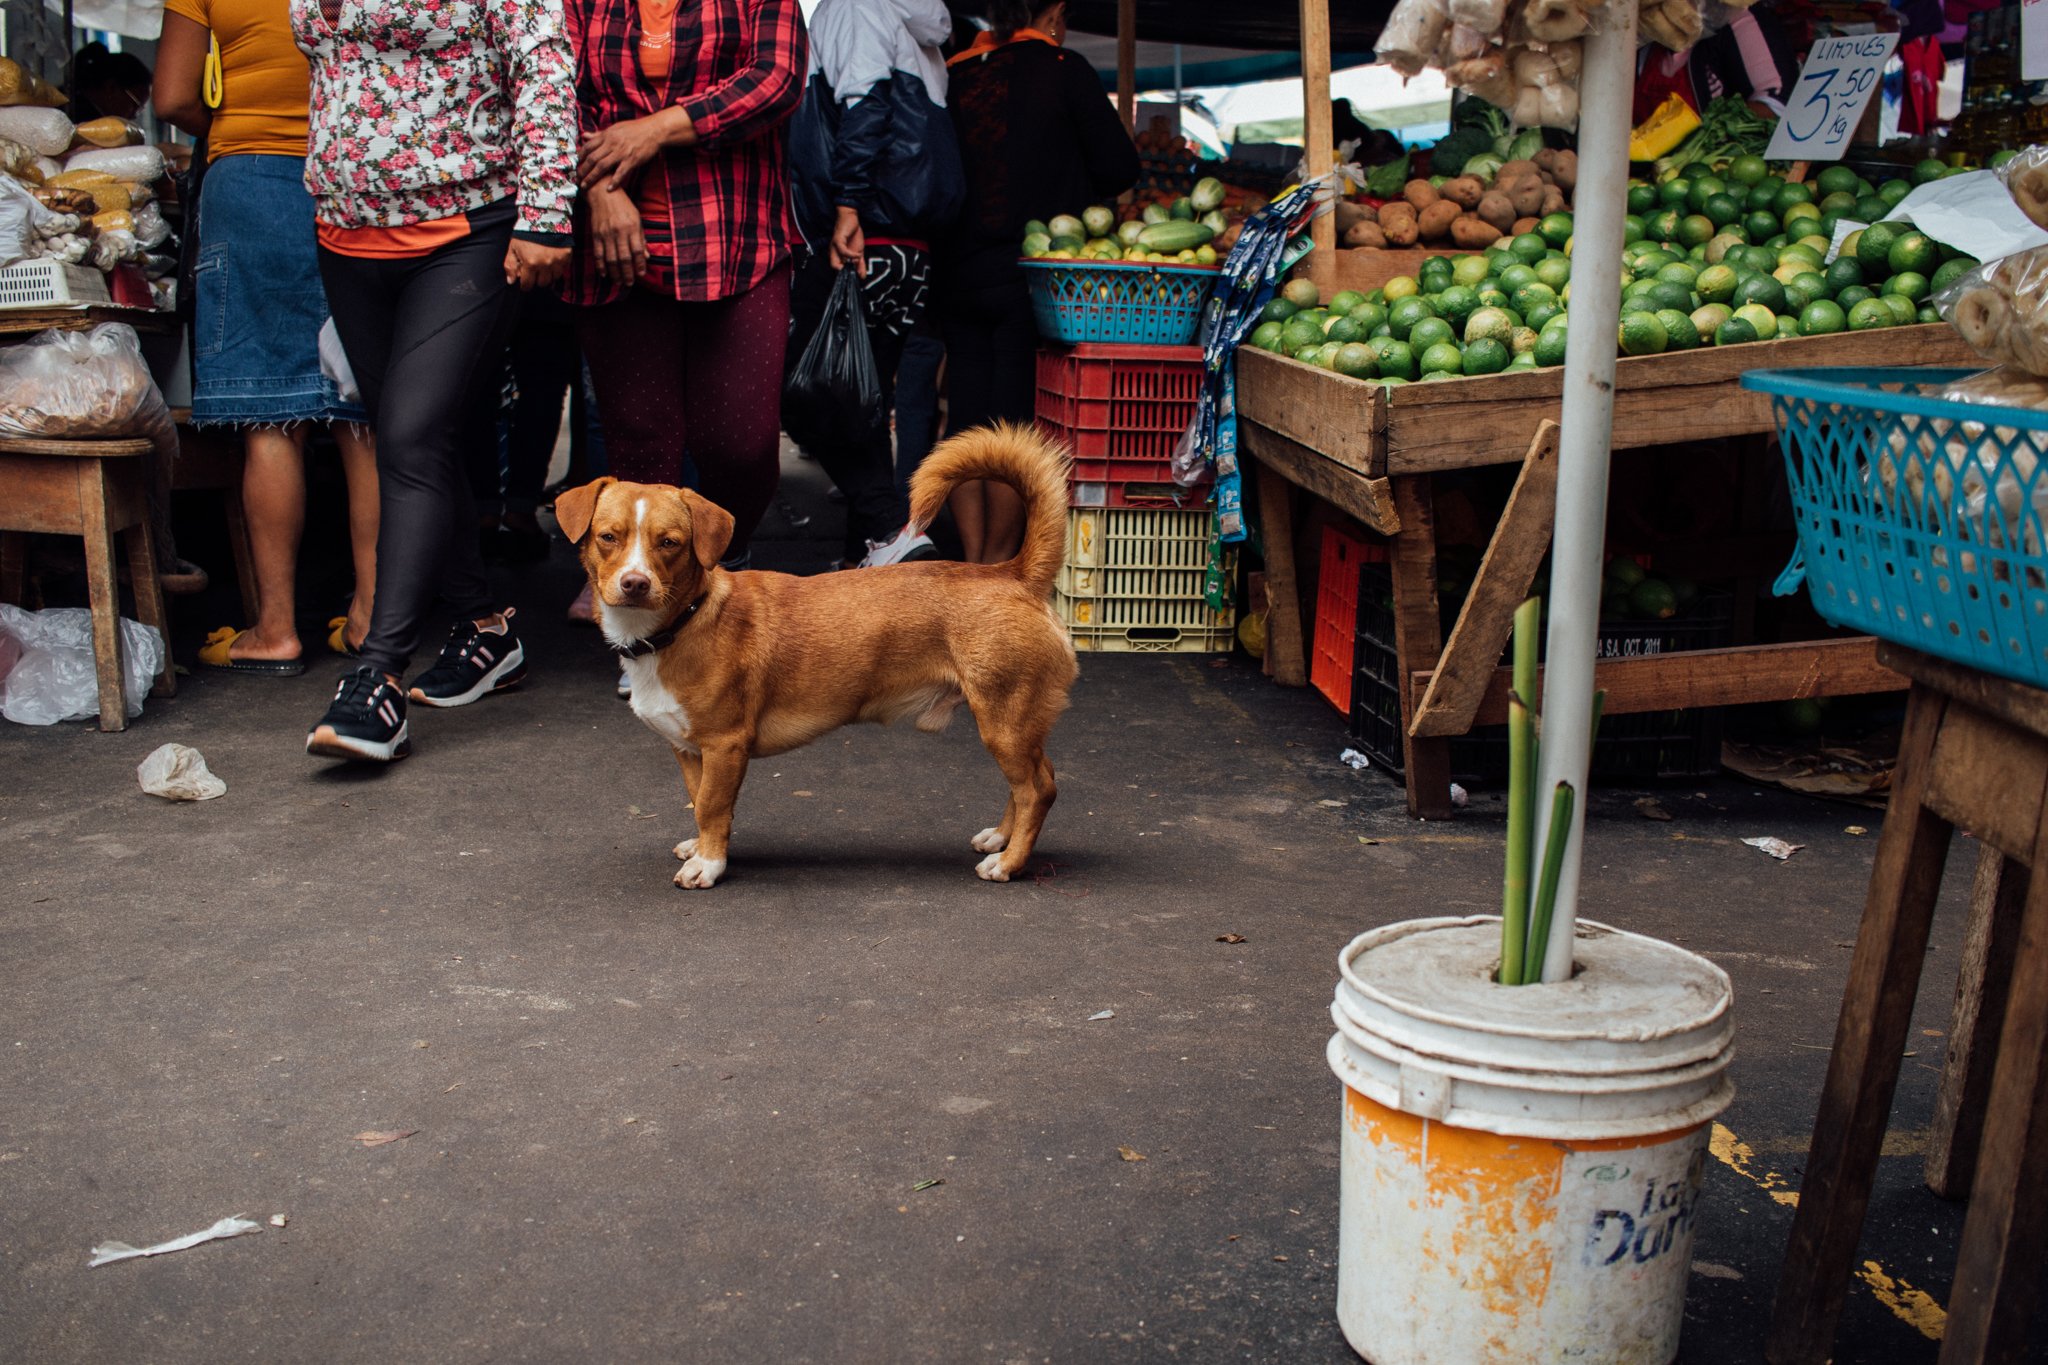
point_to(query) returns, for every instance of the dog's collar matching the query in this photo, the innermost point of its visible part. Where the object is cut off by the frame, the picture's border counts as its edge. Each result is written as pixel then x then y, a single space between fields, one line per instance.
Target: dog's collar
pixel 663 638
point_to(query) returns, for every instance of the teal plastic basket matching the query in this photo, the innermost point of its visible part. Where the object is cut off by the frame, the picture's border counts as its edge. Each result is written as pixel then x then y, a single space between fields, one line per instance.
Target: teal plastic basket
pixel 1131 302
pixel 1920 519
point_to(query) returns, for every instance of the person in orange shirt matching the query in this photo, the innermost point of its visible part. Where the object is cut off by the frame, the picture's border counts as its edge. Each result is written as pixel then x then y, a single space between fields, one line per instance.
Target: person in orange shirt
pixel 259 310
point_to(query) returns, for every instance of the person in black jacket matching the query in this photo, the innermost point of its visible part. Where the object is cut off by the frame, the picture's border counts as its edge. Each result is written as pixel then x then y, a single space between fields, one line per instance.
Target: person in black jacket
pixel 877 177
pixel 1038 137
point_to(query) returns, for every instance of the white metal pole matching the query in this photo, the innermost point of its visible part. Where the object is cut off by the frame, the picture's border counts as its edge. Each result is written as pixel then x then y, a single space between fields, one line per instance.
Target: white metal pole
pixel 1606 90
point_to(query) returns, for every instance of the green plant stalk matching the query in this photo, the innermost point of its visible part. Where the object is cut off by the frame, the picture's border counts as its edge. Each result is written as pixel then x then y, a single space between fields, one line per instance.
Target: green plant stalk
pixel 1514 907
pixel 1559 835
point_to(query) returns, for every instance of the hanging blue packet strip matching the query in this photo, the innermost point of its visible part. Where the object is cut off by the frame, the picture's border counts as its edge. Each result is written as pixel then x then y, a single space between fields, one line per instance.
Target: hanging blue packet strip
pixel 1267 247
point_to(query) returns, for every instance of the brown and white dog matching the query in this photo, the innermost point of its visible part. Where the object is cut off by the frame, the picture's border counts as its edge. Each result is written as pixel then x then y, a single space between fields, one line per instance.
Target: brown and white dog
pixel 729 667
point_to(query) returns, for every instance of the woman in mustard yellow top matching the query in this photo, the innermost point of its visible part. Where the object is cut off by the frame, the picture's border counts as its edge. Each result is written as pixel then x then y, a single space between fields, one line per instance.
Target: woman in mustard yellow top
pixel 259 308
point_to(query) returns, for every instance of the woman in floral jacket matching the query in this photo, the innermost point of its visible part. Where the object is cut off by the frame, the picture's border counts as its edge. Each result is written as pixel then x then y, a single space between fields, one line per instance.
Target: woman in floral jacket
pixel 684 239
pixel 441 164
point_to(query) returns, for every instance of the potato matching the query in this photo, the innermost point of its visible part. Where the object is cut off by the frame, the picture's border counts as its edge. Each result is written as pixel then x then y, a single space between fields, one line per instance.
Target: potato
pixel 1522 225
pixel 1365 235
pixel 1435 221
pixel 1348 213
pixel 1546 159
pixel 1401 229
pixel 1566 169
pixel 1497 209
pixel 1463 190
pixel 1419 193
pixel 1514 170
pixel 1473 233
pixel 1527 196
pixel 1553 200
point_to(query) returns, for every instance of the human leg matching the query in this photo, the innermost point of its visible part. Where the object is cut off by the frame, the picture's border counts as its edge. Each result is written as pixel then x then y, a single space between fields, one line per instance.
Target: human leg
pixel 635 349
pixel 917 397
pixel 359 468
pixel 274 499
pixel 1012 398
pixel 732 376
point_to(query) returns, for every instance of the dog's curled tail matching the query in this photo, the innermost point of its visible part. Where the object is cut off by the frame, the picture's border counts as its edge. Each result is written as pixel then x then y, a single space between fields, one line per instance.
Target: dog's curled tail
pixel 1019 457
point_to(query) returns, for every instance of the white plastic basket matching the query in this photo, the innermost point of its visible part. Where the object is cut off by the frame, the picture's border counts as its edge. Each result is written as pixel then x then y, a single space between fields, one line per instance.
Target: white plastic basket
pixel 46 283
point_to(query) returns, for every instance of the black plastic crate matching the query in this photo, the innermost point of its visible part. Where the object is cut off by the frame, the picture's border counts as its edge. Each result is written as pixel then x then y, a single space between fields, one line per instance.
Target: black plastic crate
pixel 1642 747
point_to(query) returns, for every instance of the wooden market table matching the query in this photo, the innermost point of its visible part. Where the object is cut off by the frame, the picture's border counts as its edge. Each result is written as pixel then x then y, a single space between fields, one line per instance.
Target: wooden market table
pixel 16 323
pixel 1376 452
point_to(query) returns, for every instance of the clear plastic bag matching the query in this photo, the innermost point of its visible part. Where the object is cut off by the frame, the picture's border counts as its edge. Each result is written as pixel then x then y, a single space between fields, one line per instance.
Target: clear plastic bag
pixel 2025 178
pixel 22 218
pixel 139 164
pixel 45 132
pixel 83 384
pixel 54 678
pixel 334 364
pixel 2001 310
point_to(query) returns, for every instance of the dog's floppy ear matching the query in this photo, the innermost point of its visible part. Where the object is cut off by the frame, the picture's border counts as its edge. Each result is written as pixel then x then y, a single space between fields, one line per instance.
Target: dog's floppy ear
pixel 711 528
pixel 575 508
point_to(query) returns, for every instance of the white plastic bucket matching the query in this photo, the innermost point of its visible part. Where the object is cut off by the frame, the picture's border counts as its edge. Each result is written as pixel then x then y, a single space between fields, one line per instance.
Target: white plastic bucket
pixel 1521 1164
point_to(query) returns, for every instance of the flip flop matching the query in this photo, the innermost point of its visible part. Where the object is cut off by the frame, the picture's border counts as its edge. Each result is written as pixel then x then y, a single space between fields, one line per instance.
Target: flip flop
pixel 215 654
pixel 337 638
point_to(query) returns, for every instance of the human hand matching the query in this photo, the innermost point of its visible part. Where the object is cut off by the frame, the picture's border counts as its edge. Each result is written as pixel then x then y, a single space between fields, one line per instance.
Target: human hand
pixel 849 243
pixel 612 156
pixel 529 265
pixel 617 237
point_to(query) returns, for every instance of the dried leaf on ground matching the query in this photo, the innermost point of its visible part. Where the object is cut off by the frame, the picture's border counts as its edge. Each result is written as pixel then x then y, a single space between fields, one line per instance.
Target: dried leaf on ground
pixel 1650 808
pixel 1230 938
pixel 1777 848
pixel 1130 1153
pixel 925 1185
pixel 377 1137
pixel 1100 1015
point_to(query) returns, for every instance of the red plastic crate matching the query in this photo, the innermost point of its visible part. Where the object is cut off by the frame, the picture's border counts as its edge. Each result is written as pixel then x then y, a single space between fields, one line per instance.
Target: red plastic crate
pixel 1120 410
pixel 1336 631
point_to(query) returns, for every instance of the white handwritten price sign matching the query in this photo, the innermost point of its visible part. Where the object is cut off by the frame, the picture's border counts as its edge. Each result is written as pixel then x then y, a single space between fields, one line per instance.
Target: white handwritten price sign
pixel 1821 113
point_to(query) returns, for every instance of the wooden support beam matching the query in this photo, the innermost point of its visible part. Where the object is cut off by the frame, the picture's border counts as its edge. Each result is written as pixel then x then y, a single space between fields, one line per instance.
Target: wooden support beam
pixel 1418 634
pixel 1127 64
pixel 1370 500
pixel 1315 135
pixel 1990 945
pixel 1284 648
pixel 1502 584
pixel 1718 677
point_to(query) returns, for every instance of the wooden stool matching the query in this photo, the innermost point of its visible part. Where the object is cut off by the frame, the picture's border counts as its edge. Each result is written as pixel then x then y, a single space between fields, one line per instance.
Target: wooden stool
pixel 95 489
pixel 211 461
pixel 1974 753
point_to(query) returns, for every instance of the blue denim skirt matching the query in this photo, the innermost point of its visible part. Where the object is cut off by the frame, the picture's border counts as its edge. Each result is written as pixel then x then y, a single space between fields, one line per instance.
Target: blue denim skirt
pixel 258 304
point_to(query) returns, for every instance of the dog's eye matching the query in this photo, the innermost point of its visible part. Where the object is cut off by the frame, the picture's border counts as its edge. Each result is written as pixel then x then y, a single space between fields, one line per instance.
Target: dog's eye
pixel 671 543
pixel 607 538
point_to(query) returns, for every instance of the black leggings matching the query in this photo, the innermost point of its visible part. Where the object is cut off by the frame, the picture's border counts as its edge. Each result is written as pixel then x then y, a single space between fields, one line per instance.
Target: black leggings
pixel 426 339
pixel 991 357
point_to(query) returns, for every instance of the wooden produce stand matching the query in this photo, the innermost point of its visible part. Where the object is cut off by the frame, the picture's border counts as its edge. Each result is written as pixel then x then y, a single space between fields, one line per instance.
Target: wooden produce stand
pixel 1375 452
pixel 16 323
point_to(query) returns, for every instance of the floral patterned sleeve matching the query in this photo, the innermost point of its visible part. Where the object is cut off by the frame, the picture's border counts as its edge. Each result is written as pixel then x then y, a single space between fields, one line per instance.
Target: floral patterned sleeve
pixel 542 76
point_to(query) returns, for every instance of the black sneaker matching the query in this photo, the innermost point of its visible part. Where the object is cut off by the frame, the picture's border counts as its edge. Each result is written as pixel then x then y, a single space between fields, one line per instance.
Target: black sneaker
pixel 473 662
pixel 366 720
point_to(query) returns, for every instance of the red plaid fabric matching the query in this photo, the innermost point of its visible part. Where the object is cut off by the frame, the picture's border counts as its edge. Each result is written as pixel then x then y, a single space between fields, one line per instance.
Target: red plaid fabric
pixel 738 72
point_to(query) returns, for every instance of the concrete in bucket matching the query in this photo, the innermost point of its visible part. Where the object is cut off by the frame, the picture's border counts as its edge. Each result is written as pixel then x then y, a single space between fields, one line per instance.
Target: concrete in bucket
pixel 1520 1165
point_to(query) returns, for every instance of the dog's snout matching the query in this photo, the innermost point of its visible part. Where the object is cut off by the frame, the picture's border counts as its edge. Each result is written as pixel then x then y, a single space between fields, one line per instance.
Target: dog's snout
pixel 634 584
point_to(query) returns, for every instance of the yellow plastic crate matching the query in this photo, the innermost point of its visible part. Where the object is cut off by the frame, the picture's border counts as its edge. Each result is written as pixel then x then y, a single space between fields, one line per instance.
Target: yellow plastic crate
pixel 1133 582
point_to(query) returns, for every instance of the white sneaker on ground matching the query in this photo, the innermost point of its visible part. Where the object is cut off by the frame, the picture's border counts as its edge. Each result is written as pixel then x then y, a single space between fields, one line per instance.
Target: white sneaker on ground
pixel 906 545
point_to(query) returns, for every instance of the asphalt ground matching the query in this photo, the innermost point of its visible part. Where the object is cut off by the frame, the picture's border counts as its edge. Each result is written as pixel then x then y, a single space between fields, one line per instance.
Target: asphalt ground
pixel 650 1124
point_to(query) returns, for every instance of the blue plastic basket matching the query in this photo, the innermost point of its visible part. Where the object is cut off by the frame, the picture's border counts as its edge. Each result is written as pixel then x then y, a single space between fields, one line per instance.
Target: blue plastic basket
pixel 1920 519
pixel 1126 301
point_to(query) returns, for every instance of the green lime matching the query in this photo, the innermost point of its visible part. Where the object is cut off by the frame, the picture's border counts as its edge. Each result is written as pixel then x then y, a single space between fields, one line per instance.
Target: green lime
pixel 1870 209
pixel 1734 332
pixel 1703 189
pixel 1723 209
pixel 1486 356
pixel 1763 195
pixel 1429 332
pixel 1443 358
pixel 1397 359
pixel 1873 248
pixel 1761 289
pixel 1638 303
pixel 1301 293
pixel 1631 229
pixel 1672 192
pixel 1524 360
pixel 1683 336
pixel 1554 271
pixel 1904 310
pixel 1948 271
pixel 1523 340
pixel 1368 316
pixel 1556 228
pixel 1307 354
pixel 1868 315
pixel 1266 336
pixel 1853 295
pixel 1803 289
pixel 1788 325
pixel 1679 272
pixel 1803 252
pixel 1760 223
pixel 1550 345
pixel 1457 302
pixel 1748 170
pixel 1893 190
pixel 1530 295
pixel 1515 276
pixel 1930 169
pixel 1666 294
pixel 1344 330
pixel 1695 229
pixel 1662 226
pixel 1400 287
pixel 1927 314
pixel 1530 247
pixel 1641 198
pixel 1792 194
pixel 1908 284
pixel 1357 361
pixel 1489 323
pixel 1842 272
pixel 1299 334
pixel 1540 315
pixel 1344 300
pixel 1277 310
pixel 1914 252
pixel 1994 161
pixel 1403 316
pixel 1718 249
pixel 1836 179
pixel 1708 317
pixel 1717 283
pixel 1469 270
pixel 1840 204
pixel 1762 320
pixel 1653 599
pixel 1643 334
pixel 1622 572
pixel 1326 355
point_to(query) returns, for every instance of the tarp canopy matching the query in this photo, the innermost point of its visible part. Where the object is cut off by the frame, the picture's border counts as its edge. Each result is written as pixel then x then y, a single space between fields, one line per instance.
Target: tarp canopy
pixel 1199 64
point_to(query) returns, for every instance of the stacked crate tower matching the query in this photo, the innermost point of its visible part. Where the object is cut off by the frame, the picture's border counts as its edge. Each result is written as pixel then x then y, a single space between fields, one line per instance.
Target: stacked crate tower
pixel 1137 542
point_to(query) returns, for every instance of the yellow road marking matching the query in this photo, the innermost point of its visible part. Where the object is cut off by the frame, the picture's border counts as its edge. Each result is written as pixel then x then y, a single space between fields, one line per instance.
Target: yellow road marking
pixel 1910 1305
pixel 1738 1157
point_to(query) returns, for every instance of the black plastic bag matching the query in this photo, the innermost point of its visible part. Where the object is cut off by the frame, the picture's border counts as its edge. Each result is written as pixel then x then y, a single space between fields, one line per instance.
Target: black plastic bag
pixel 834 390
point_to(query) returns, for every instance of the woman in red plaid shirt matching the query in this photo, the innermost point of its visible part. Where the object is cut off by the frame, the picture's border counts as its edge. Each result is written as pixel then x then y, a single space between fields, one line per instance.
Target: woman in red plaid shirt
pixel 683 237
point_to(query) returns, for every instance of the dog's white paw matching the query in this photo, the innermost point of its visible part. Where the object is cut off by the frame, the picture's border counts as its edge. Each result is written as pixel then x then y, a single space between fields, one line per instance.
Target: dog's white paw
pixel 990 869
pixel 687 849
pixel 990 840
pixel 700 874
